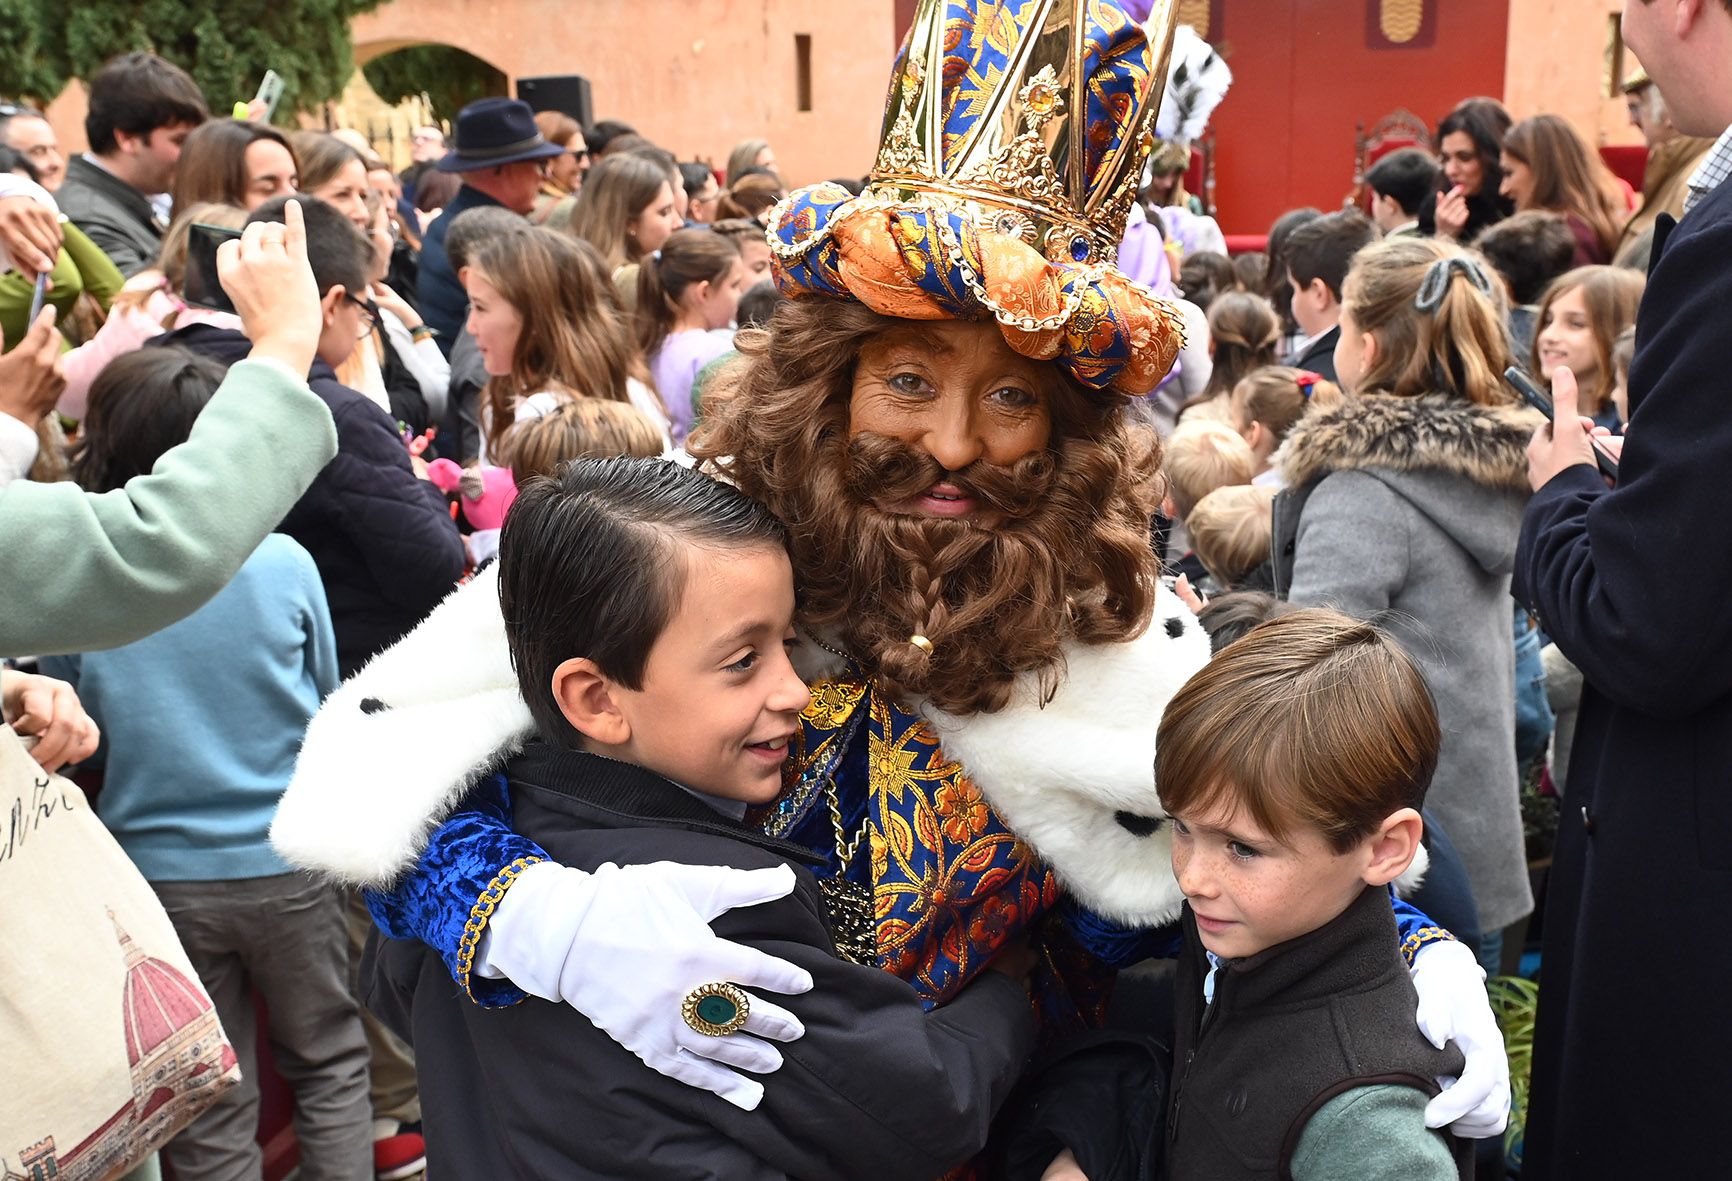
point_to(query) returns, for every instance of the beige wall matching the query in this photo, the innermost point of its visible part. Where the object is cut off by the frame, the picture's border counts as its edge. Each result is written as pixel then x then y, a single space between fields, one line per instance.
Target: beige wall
pixel 1557 63
pixel 695 76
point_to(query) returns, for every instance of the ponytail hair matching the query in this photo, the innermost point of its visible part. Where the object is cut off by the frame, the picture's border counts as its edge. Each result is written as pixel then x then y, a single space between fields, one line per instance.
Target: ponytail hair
pixel 686 258
pixel 1439 320
pixel 1278 396
pixel 1246 333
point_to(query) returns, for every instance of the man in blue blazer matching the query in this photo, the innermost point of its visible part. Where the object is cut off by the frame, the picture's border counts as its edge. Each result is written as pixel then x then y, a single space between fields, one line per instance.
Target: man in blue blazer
pixel 1634 1041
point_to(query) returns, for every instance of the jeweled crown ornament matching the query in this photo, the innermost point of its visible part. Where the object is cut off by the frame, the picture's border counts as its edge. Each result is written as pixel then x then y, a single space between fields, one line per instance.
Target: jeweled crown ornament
pixel 1014 140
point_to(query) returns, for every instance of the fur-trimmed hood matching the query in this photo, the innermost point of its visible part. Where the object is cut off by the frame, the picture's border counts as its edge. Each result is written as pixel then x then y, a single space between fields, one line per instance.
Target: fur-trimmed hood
pixel 1463 466
pixel 1486 445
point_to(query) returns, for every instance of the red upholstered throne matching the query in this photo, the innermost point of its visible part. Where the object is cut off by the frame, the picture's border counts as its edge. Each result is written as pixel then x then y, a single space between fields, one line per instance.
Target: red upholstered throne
pixel 1397 130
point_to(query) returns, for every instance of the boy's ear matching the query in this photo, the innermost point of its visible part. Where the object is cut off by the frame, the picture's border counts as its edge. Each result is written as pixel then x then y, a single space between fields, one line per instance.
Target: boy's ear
pixel 1393 846
pixel 585 697
pixel 1321 297
pixel 328 303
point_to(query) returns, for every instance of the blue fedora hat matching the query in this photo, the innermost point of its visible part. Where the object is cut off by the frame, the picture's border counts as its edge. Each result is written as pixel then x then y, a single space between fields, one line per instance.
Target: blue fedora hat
pixel 495 131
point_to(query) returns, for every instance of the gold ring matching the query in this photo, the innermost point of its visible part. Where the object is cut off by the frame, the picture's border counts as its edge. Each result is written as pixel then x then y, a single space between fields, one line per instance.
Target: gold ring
pixel 716 1010
pixel 922 643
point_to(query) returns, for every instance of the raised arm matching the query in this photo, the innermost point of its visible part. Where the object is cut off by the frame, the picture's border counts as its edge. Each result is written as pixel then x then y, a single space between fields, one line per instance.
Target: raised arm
pixel 87 572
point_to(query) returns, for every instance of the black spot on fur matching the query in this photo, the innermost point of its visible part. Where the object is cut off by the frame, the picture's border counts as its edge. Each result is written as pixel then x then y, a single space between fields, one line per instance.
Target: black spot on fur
pixel 1175 627
pixel 372 705
pixel 1138 826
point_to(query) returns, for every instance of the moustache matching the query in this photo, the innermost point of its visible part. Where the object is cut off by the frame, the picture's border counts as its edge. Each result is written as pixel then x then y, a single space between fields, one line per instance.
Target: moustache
pixel 882 470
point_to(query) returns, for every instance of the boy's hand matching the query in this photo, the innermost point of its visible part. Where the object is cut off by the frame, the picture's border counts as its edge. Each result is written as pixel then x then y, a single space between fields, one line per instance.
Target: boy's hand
pixel 1453 1007
pixel 625 946
pixel 49 711
pixel 267 276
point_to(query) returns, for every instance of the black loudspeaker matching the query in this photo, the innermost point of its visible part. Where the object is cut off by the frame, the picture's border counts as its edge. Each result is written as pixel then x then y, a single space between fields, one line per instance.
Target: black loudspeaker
pixel 559 92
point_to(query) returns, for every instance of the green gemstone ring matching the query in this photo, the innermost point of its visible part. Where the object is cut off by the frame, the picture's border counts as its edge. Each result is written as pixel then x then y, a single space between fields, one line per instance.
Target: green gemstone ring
pixel 715 1010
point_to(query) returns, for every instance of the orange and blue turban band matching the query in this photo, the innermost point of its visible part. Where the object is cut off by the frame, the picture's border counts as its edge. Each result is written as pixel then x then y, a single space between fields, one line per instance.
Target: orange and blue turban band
pixel 918 262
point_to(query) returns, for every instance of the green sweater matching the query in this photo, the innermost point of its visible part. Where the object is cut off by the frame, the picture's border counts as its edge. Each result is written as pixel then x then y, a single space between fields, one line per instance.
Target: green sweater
pixel 86 571
pixel 81 269
pixel 1372 1134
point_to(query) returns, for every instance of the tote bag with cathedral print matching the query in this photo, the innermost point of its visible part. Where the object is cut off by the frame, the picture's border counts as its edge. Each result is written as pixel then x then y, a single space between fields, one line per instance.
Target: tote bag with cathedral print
pixel 108 1043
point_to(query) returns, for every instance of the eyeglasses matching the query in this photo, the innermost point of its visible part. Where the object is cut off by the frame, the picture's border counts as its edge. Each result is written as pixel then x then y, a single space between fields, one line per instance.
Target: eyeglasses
pixel 369 315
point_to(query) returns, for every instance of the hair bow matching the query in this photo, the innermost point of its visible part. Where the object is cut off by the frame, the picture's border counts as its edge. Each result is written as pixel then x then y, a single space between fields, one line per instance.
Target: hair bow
pixel 1439 276
pixel 1306 381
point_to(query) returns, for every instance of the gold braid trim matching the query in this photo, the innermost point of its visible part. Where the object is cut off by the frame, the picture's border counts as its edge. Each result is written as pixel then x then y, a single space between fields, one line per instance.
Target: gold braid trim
pixel 1411 945
pixel 479 914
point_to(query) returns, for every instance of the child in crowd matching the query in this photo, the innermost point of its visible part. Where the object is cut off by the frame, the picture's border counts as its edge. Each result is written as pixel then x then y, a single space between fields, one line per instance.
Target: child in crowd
pixel 1529 251
pixel 1294 766
pixel 1268 403
pixel 1199 458
pixel 758 304
pixel 1318 257
pixel 687 295
pixel 201 724
pixel 583 428
pixel 648 610
pixel 1230 530
pixel 1402 184
pixel 1206 276
pixel 1622 354
pixel 1579 322
pixel 1243 333
pixel 546 329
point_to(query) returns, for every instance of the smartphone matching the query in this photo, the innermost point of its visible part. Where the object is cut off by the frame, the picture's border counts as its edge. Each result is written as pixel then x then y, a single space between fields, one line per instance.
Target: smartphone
pixel 1535 397
pixel 37 295
pixel 202 286
pixel 270 93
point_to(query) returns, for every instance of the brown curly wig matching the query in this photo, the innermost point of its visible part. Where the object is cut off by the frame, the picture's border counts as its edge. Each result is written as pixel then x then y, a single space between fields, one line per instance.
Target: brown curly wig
pixel 1071 560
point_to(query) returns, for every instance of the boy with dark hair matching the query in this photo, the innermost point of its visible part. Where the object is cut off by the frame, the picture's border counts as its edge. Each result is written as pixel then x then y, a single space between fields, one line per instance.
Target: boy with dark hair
pixel 1528 250
pixel 1401 183
pixel 648 611
pixel 1319 255
pixel 1294 766
pixel 141 110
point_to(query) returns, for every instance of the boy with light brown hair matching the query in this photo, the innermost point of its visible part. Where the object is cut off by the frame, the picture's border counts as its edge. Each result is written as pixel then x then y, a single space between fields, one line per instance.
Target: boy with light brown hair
pixel 1201 457
pixel 1230 531
pixel 1294 766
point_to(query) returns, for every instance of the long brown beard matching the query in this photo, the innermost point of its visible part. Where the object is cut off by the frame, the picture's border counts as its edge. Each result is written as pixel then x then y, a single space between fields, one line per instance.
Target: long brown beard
pixel 1067 558
pixel 994 599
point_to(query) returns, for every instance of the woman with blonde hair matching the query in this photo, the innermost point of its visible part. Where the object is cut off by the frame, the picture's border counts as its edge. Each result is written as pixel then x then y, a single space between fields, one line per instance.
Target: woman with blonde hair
pixel 747 155
pixel 547 330
pixel 1578 325
pixel 625 209
pixel 1404 502
pixel 1548 165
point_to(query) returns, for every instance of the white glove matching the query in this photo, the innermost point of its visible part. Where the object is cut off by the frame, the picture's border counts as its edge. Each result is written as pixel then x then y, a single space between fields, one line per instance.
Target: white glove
pixel 624 947
pixel 1453 1007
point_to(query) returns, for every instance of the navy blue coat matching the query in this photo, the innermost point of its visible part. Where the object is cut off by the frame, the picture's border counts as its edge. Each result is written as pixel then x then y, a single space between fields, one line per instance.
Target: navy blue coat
pixel 444 304
pixel 1634 1039
pixel 384 542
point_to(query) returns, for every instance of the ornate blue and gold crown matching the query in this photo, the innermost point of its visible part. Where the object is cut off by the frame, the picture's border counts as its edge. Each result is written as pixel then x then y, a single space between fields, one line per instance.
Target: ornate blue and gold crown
pixel 1013 145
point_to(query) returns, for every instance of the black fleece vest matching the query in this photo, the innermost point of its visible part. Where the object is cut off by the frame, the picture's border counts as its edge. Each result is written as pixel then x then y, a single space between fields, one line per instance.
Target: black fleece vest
pixel 1290 1029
